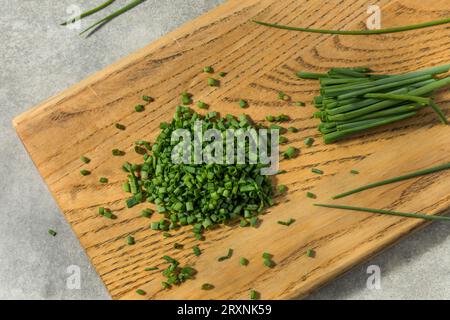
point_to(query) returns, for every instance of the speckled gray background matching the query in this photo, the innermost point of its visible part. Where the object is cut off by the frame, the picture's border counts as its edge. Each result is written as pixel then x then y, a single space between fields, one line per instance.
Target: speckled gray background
pixel 38 58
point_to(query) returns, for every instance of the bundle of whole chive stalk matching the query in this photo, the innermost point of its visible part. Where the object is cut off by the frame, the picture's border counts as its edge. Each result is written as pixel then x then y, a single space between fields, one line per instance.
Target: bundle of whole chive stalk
pixel 353 100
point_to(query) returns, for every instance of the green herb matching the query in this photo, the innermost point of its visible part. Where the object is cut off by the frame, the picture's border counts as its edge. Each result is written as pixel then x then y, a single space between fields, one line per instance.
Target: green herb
pixel 151 269
pixel 130 240
pixel 175 274
pixel 222 74
pixel 148 99
pixel 165 234
pixel 243 261
pixel 85 172
pixel 311 195
pixel 317 171
pixel 88 13
pixel 110 17
pixel 253 295
pixel 281 172
pixel 269 263
pixel 117 153
pixel 103 180
pixel 359 32
pixel 282 139
pixel 139 108
pixel 120 126
pixel 147 213
pixel 300 104
pixel 196 250
pixel 254 221
pixel 51 232
pixel 202 105
pixel 287 223
pixel 292 129
pixel 228 256
pixel 282 189
pixel 243 103
pixel 270 118
pixel 441 167
pixel 309 142
pixel 401 97
pixel 178 246
pixel 310 253
pixel 213 82
pixel 386 212
pixel 105 212
pixel 141 292
pixel 267 255
pixel 140 150
pixel 207 286
pixel 85 159
pixel 281 95
pixel 354 171
pixel 290 153
pixel 208 69
pixel 186 98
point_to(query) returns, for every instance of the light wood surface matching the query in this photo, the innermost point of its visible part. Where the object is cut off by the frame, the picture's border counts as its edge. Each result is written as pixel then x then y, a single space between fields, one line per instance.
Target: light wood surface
pixel 259 62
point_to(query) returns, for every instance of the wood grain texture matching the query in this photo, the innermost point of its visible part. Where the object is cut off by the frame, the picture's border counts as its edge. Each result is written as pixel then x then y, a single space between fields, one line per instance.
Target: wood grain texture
pixel 259 62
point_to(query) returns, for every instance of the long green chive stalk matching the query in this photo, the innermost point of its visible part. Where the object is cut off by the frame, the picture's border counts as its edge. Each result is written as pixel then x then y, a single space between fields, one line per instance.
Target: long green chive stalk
pixel 353 100
pixel 88 13
pixel 411 175
pixel 359 32
pixel 113 15
pixel 386 212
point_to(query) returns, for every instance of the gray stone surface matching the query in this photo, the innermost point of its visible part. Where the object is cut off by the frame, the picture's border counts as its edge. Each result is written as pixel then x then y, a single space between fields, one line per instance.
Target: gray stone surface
pixel 37 60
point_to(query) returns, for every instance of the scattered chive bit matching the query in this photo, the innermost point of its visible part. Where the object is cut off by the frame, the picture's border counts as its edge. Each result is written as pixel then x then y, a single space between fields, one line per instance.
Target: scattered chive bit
pixel 165 234
pixel 243 261
pixel 282 139
pixel 286 223
pixel 117 153
pixel 141 292
pixel 282 189
pixel 281 95
pixel 281 118
pixel 253 295
pixel 146 213
pixel 51 232
pixel 269 263
pixel 243 223
pixel 270 118
pixel 228 256
pixel 196 250
pixel 309 142
pixel 243 103
pixel 130 240
pixel 207 286
pixel 317 171
pixel 290 153
pixel 85 172
pixel 140 150
pixel 300 104
pixel 311 195
pixel 175 274
pixel 103 180
pixel 222 74
pixel 281 172
pixel 165 285
pixel 148 98
pixel 143 143
pixel 292 129
pixel 126 187
pixel 310 253
pixel 106 213
pixel 202 105
pixel 178 246
pixel 254 221
pixel 186 98
pixel 151 269
pixel 354 171
pixel 120 126
pixel 267 255
pixel 85 159
pixel 139 108
pixel 208 69
pixel 213 82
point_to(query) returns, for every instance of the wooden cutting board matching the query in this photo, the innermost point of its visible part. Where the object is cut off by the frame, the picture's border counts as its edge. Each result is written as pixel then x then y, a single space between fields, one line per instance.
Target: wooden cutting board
pixel 260 62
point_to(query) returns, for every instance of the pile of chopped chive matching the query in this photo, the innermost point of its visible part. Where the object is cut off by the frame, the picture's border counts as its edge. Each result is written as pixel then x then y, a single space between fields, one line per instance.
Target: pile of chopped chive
pixel 201 195
pixel 175 274
pixel 353 100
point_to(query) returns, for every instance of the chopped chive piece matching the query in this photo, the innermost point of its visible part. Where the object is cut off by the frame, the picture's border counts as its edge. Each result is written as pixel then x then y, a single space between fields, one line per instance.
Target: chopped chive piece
pixel 196 250
pixel 269 263
pixel 253 295
pixel 178 246
pixel 292 129
pixel 126 187
pixel 146 213
pixel 213 82
pixel 148 98
pixel 282 189
pixel 317 171
pixel 282 139
pixel 139 108
pixel 202 105
pixel 354 171
pixel 290 153
pixel 51 232
pixel 165 285
pixel 254 221
pixel 140 150
pixel 286 223
pixel 85 172
pixel 85 159
pixel 243 261
pixel 270 118
pixel 281 172
pixel 141 292
pixel 300 104
pixel 281 95
pixel 277 127
pixel 118 153
pixel 243 223
pixel 309 142
pixel 310 253
pixel 165 234
pixel 208 69
pixel 105 212
pixel 222 74
pixel 207 286
pixel 120 126
pixel 311 195
pixel 130 240
pixel 243 103
pixel 151 269
pixel 155 226
pixel 103 180
pixel 228 256
pixel 267 255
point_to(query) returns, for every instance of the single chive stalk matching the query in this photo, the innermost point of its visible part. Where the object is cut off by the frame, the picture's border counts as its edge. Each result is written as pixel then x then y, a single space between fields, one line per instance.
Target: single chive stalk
pixel 51 232
pixel 85 159
pixel 411 175
pixel 88 13
pixel 401 97
pixel 386 212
